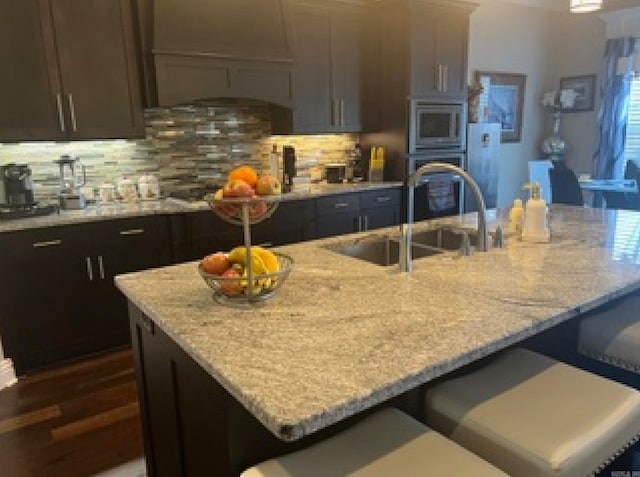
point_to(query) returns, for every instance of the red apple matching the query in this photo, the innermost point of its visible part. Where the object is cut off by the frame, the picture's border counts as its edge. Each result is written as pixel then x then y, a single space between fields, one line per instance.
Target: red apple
pixel 231 286
pixel 237 188
pixel 216 263
pixel 258 210
pixel 268 185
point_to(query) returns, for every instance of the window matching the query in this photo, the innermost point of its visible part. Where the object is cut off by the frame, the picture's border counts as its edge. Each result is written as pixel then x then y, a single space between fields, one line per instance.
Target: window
pixel 632 145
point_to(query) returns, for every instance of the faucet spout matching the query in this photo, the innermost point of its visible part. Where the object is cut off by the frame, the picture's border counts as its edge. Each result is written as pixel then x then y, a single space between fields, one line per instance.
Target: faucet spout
pixel 413 181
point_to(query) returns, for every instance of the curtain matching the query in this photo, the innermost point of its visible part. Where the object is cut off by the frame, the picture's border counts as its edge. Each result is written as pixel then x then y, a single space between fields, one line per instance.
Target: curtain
pixel 614 111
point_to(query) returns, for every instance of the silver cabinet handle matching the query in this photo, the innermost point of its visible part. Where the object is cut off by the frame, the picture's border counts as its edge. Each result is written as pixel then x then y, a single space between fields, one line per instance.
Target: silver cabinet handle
pixel 341 112
pixel 340 205
pixel 359 224
pixel 60 113
pixel 132 232
pixel 366 222
pixel 89 268
pixel 383 199
pixel 334 112
pixel 101 267
pixel 445 78
pixel 49 243
pixel 72 109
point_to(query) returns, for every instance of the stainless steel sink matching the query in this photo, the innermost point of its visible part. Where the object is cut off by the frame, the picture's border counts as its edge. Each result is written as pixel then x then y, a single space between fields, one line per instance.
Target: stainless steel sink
pixel 443 238
pixel 383 251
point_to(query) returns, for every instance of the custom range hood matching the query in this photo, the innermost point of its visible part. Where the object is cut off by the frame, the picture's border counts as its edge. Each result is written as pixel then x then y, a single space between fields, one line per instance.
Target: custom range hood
pixel 207 49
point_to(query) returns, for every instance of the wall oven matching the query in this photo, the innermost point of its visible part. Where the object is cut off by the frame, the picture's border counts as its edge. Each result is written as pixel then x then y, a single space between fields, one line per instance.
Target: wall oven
pixel 437 124
pixel 438 194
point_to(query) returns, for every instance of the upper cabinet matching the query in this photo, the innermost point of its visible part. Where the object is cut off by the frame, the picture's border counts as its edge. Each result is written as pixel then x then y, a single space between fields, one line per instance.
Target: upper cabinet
pixel 74 71
pixel 413 48
pixel 438 49
pixel 326 86
pixel 221 49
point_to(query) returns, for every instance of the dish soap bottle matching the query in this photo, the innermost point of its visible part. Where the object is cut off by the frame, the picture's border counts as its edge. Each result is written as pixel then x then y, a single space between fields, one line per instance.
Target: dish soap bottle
pixel 516 216
pixel 536 228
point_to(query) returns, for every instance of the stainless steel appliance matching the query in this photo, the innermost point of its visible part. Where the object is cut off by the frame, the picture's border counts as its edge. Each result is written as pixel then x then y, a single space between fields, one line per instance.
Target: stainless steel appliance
pixel 441 193
pixel 437 124
pixel 16 186
pixel 483 157
pixel 72 177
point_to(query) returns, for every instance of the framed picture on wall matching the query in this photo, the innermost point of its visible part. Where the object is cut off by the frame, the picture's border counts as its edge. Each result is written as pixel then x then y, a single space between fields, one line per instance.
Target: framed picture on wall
pixel 585 87
pixel 505 101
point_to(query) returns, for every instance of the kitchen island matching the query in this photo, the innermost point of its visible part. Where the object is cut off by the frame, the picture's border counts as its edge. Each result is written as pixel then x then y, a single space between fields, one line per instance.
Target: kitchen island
pixel 343 335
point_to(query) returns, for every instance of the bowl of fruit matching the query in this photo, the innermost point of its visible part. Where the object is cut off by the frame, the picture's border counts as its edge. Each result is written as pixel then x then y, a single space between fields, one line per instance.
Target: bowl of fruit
pixel 238 277
pixel 246 196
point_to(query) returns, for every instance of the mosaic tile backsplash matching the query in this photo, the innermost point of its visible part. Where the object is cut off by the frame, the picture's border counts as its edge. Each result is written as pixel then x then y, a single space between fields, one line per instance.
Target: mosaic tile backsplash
pixel 185 147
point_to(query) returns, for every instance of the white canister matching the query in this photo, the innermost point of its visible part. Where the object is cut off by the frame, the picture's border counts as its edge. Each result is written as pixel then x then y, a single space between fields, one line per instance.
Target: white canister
pixel 148 187
pixel 127 190
pixel 107 192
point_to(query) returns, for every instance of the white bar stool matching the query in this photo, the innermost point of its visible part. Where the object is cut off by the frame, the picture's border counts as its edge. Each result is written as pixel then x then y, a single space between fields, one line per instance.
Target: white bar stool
pixel 533 416
pixel 613 336
pixel 386 443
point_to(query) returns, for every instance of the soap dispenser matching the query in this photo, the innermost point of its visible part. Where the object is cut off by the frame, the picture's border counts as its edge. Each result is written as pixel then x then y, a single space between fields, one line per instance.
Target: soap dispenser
pixel 536 228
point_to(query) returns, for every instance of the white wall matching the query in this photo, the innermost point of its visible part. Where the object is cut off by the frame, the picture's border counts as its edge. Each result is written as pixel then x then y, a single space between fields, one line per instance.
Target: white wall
pixel 544 45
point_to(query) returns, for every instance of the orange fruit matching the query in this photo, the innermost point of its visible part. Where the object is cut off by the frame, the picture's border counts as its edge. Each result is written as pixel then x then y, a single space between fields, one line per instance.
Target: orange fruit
pixel 246 173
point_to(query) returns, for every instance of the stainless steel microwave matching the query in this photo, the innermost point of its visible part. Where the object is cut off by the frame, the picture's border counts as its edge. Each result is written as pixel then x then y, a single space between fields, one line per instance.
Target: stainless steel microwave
pixel 437 124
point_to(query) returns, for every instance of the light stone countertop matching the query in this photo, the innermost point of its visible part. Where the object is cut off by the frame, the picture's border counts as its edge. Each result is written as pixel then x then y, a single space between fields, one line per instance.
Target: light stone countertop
pixel 343 335
pixel 121 210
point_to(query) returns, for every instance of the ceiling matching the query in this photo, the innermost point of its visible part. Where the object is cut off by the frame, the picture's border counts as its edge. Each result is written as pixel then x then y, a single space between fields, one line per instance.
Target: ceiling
pixel 563 5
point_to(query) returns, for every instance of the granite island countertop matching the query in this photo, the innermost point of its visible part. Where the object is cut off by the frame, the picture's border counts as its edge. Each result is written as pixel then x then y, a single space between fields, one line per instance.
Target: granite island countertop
pixel 343 335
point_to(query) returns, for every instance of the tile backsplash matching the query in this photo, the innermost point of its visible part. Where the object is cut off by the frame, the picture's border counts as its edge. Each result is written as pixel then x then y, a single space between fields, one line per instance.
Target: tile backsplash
pixel 185 147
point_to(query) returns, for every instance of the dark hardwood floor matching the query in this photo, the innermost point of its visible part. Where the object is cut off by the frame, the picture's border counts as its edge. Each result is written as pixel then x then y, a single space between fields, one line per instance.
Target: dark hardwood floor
pixel 74 420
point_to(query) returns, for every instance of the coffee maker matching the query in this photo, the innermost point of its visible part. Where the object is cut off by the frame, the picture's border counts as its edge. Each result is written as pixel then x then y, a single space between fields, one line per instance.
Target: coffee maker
pixel 16 186
pixel 71 179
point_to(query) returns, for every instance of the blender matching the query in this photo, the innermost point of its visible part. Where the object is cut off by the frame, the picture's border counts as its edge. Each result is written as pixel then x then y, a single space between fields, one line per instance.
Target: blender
pixel 72 176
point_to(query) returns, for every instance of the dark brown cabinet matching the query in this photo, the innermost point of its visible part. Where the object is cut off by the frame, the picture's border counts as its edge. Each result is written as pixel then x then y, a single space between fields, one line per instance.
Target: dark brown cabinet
pixel 63 303
pixel 357 212
pixel 326 88
pixel 291 222
pixel 74 71
pixel 229 49
pixel 438 57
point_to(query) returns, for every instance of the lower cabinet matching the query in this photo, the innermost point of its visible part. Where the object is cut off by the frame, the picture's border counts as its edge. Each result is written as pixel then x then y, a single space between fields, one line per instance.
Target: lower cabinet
pixel 357 212
pixel 60 300
pixel 292 221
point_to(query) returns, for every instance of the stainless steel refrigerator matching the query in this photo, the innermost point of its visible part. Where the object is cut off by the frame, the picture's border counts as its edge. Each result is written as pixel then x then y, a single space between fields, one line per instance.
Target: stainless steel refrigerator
pixel 483 158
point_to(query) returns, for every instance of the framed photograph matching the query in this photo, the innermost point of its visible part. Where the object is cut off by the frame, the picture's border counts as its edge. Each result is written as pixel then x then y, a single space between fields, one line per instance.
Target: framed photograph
pixel 585 88
pixel 505 101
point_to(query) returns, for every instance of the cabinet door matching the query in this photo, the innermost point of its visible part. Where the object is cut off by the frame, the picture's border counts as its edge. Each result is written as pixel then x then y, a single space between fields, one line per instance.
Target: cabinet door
pixel 380 208
pixel 290 223
pixel 345 46
pixel 99 69
pixel 45 281
pixel 338 214
pixel 314 108
pixel 121 246
pixel 438 49
pixel 451 48
pixel 29 84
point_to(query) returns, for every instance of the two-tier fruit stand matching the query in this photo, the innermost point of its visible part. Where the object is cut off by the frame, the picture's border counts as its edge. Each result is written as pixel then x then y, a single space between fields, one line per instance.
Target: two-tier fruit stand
pixel 246 211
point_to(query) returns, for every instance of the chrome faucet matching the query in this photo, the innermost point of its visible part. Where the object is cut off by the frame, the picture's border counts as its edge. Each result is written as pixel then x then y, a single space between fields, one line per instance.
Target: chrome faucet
pixel 405 229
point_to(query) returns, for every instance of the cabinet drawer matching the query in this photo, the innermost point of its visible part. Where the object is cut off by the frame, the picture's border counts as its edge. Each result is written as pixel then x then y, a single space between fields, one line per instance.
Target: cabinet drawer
pixel 338 203
pixel 131 230
pixel 380 198
pixel 37 241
